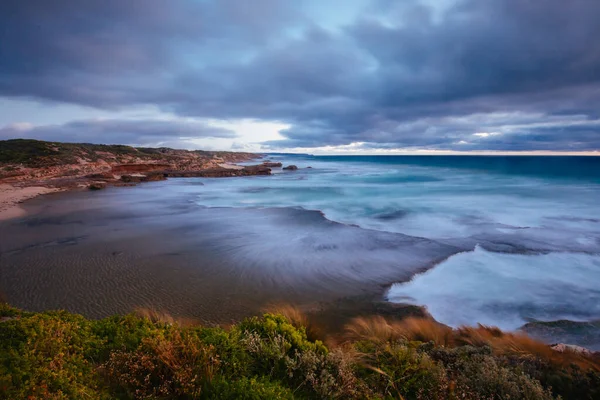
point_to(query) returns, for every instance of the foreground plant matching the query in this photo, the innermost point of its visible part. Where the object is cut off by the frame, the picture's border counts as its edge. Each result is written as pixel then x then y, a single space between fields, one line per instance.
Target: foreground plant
pixel 58 355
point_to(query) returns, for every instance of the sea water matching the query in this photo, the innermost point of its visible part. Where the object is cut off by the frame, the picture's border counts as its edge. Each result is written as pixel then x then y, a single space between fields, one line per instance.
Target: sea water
pixel 532 225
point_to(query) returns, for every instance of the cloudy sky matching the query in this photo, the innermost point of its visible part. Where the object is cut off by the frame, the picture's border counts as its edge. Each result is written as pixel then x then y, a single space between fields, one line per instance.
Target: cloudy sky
pixel 317 76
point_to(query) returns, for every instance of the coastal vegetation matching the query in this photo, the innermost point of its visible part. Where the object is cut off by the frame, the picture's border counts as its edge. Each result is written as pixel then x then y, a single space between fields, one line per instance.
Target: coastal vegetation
pixel 38 154
pixel 280 355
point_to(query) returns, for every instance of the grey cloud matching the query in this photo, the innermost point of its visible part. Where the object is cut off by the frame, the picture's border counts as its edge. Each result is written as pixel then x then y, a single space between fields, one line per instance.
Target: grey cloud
pixel 395 77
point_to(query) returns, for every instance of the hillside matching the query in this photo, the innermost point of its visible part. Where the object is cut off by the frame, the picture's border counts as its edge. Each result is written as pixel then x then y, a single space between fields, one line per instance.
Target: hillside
pixel 23 159
pixel 282 355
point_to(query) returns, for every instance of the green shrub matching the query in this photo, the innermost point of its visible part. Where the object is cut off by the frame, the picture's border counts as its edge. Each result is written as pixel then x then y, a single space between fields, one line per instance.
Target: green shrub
pixel 328 375
pixel 248 389
pixel 124 333
pixel 58 355
pixel 272 325
pixel 476 374
pixel 235 359
pixel 400 371
pixel 42 356
pixel 569 382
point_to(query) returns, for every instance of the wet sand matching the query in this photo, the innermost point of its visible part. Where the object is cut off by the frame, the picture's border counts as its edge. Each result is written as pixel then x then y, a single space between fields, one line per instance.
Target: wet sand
pixel 12 196
pixel 101 253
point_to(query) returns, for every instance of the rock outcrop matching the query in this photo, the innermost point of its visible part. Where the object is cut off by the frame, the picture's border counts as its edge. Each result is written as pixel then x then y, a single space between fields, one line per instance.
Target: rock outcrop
pixel 97 185
pixel 220 172
pixel 272 164
pixel 63 166
pixel 139 168
pixel 290 168
pixel 562 347
pixel 24 160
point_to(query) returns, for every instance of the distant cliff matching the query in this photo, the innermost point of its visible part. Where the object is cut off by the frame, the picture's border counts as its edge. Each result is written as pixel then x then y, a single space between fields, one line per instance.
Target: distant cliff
pixel 24 159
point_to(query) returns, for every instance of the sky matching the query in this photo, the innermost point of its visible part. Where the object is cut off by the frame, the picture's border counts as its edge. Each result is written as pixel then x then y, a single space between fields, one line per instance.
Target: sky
pixel 311 76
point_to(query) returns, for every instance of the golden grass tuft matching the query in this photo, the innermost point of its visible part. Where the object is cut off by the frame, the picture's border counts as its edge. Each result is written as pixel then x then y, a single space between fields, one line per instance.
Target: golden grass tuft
pixel 375 328
pixel 426 330
pixel 165 318
pixel 379 329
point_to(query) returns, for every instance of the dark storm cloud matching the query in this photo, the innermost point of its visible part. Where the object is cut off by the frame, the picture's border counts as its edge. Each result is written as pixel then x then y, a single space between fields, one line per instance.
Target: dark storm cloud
pixel 402 74
pixel 134 132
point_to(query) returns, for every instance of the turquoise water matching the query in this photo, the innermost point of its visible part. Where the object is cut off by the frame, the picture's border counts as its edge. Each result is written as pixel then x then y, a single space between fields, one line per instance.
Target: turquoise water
pixel 425 196
pixel 532 224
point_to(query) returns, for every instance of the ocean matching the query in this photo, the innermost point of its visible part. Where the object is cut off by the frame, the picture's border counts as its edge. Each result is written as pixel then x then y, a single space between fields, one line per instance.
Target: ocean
pixel 531 224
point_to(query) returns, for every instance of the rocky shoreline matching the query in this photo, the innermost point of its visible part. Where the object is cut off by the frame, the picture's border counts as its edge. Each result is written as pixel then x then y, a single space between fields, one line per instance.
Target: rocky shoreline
pixel 29 168
pixel 13 192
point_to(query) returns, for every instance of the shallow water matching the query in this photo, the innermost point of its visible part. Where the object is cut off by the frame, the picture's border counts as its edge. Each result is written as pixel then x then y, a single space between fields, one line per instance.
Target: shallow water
pixel 536 219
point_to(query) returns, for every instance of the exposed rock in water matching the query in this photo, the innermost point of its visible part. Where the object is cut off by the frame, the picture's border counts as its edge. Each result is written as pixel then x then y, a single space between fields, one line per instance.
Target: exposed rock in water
pixel 390 216
pixel 151 177
pixel 154 176
pixel 272 164
pixel 97 185
pixel 220 172
pixel 256 170
pixel 124 184
pixel 584 334
pixel 103 176
pixel 131 178
pixel 128 168
pixel 562 347
pixel 291 168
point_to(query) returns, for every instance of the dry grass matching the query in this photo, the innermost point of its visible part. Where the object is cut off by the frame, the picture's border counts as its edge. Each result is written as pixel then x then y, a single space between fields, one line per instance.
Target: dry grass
pixel 165 318
pixel 426 330
pixel 519 344
pixel 178 366
pixel 378 329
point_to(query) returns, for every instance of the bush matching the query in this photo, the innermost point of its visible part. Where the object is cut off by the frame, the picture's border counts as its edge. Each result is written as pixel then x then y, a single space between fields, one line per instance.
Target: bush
pixel 248 389
pixel 58 355
pixel 235 359
pixel 173 365
pixel 474 373
pixel 400 371
pixel 42 356
pixel 124 333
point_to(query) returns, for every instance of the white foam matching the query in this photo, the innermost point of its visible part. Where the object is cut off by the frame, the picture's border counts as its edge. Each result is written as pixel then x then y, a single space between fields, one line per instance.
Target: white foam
pixel 506 290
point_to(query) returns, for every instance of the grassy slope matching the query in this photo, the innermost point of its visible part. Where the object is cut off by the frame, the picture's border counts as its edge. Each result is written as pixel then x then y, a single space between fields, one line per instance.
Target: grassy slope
pixel 277 356
pixel 35 153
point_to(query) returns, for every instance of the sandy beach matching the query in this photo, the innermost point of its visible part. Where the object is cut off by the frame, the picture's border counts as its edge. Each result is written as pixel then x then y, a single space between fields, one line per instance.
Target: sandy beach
pixel 12 196
pixel 101 253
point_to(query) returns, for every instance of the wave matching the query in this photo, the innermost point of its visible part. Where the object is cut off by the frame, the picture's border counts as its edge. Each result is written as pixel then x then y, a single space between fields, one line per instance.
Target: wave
pixel 506 290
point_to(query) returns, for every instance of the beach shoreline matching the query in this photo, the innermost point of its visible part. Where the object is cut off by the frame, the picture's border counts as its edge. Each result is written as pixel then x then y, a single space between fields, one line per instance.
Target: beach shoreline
pixel 14 192
pixel 11 197
pixel 108 251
